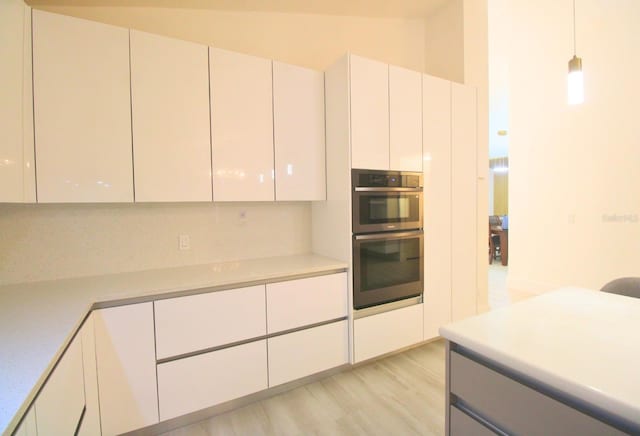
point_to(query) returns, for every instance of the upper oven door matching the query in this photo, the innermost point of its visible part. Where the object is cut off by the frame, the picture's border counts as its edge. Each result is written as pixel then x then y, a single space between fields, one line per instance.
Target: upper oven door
pixel 386 209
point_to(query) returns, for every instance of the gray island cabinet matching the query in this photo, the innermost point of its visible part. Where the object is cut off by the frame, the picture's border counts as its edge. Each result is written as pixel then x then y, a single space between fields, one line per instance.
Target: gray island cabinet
pixel 563 363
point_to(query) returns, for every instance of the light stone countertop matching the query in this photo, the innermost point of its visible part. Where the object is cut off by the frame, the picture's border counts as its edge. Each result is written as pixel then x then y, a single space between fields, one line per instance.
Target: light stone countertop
pixel 39 319
pixel 580 342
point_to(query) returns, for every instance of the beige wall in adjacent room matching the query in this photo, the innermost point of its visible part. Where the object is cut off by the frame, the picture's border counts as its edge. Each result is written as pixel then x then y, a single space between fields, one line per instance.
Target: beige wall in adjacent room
pixel 313 41
pixel 574 182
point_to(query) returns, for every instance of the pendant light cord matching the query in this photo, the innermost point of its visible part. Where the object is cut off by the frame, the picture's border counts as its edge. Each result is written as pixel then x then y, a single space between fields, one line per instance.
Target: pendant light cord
pixel 574 27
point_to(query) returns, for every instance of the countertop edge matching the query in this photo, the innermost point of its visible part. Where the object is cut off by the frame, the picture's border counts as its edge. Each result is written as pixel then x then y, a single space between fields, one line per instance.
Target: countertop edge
pixel 333 266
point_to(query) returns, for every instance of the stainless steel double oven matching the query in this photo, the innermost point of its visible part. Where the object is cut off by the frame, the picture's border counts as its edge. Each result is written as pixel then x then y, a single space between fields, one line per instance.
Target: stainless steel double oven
pixel 388 240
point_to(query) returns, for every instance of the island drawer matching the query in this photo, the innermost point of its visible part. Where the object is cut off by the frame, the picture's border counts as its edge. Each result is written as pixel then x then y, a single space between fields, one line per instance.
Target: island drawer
pixel 199 322
pixel 463 424
pixel 513 407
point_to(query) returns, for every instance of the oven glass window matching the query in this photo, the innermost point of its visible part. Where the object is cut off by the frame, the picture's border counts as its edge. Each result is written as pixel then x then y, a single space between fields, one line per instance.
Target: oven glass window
pixel 380 209
pixel 385 263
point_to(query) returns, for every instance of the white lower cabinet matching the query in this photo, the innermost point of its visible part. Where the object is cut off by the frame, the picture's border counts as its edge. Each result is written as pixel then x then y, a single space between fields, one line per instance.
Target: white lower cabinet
pixel 386 332
pixel 60 403
pixel 126 363
pixel 91 422
pixel 297 303
pixel 28 426
pixel 201 381
pixel 299 354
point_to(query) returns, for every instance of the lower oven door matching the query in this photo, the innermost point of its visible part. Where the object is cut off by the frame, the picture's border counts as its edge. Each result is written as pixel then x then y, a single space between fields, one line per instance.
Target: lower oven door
pixel 387 267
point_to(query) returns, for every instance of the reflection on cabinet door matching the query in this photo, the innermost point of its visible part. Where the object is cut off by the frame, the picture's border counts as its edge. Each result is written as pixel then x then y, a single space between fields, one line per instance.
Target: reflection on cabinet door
pixel 60 403
pixel 82 110
pixel 125 354
pixel 405 119
pixel 170 103
pixel 298 120
pixel 241 127
pixel 369 85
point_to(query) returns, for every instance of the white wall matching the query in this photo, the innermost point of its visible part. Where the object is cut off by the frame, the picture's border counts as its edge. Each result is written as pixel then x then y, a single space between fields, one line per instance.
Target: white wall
pixel 310 40
pixel 444 42
pixel 571 167
pixel 46 241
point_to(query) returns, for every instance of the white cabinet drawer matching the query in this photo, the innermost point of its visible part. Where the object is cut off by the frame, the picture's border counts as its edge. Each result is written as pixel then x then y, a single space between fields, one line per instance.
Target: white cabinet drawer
pixel 59 405
pixel 307 352
pixel 198 322
pixel 386 332
pixel 297 303
pixel 194 383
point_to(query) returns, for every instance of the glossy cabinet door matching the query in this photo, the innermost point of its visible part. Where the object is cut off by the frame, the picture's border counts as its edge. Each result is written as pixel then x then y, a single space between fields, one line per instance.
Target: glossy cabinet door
pixel 386 332
pixel 82 110
pixel 405 119
pixel 298 122
pixel 369 87
pixel 198 322
pixel 171 132
pixel 126 362
pixel 306 352
pixel 194 383
pixel 60 403
pixel 91 422
pixel 436 94
pixel 17 169
pixel 241 127
pixel 297 303
pixel 464 201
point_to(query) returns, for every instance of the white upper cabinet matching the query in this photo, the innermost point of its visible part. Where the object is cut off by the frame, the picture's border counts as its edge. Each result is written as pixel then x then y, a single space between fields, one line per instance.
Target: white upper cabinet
pixel 405 119
pixel 298 118
pixel 241 127
pixel 170 106
pixel 369 85
pixel 82 109
pixel 17 169
pixel 464 201
pixel 437 209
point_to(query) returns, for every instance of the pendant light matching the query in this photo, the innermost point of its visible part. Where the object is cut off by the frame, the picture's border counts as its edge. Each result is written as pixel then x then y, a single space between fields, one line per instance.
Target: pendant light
pixel 575 80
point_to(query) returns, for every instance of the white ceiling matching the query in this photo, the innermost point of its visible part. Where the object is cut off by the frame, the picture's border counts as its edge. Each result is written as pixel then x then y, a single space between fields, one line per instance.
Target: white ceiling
pixel 411 9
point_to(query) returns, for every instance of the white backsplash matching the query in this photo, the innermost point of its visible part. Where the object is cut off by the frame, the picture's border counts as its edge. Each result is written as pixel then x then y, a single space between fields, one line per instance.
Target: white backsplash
pixel 46 241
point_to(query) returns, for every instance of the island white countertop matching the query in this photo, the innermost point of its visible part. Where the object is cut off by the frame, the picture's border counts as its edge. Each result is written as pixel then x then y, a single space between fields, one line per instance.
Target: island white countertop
pixel 580 342
pixel 39 319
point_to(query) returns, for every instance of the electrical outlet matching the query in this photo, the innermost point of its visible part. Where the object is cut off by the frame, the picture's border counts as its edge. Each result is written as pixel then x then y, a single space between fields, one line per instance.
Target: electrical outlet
pixel 184 243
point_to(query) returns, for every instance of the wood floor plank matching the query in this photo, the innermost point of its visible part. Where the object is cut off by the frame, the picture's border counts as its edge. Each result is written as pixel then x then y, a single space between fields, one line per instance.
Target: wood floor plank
pixel 401 394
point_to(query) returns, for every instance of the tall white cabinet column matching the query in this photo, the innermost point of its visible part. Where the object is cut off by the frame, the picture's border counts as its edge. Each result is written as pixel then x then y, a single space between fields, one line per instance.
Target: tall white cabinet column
pixel 464 201
pixel 436 106
pixel 405 119
pixel 170 104
pixel 241 127
pixel 82 110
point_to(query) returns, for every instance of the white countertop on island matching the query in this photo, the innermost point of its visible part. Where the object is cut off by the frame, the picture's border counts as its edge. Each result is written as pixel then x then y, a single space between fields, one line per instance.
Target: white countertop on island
pixel 580 342
pixel 39 319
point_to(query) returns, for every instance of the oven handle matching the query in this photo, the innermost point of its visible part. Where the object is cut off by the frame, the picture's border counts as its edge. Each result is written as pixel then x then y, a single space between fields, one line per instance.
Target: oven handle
pixel 378 189
pixel 389 235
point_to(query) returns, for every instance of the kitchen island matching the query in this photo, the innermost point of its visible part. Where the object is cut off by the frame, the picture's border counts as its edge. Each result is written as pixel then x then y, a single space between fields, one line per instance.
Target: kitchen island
pixel 566 362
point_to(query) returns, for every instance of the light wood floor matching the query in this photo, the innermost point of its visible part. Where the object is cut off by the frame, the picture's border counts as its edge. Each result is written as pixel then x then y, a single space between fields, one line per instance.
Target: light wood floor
pixel 399 395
